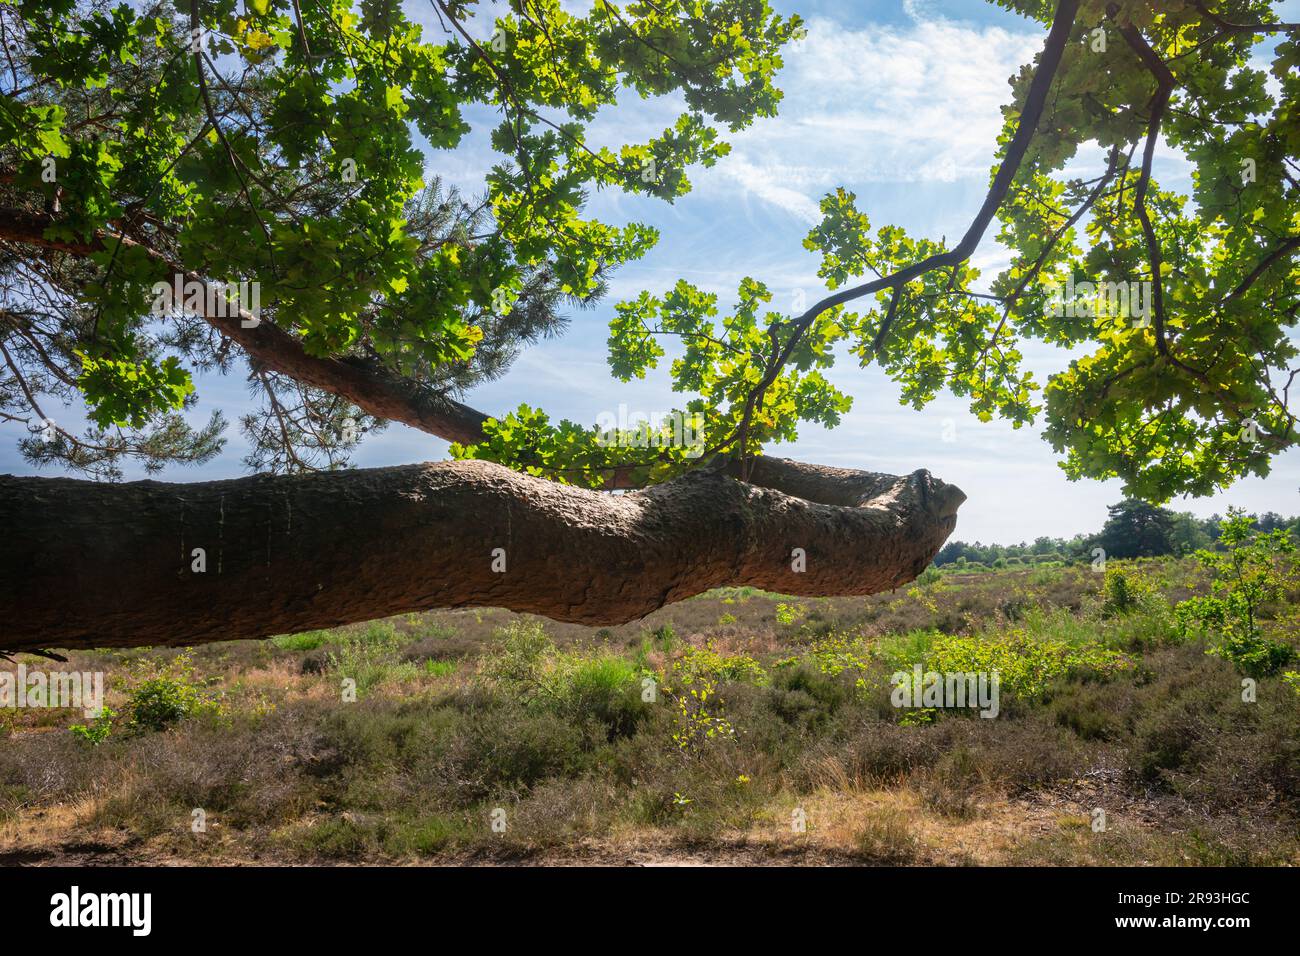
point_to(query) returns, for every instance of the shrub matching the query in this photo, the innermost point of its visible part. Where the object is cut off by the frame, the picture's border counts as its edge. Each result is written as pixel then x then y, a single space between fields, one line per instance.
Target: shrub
pixel 1252 653
pixel 371 658
pixel 1196 736
pixel 790 613
pixel 899 651
pixel 160 702
pixel 521 662
pixel 166 695
pixel 887 838
pixel 606 689
pixel 837 652
pixel 691 684
pixel 929 576
pixel 1095 711
pixel 11 800
pixel 1126 590
pixel 955 785
pixel 1254 571
pixel 98 730
pixel 505 750
pixel 1026 666
pixel 819 687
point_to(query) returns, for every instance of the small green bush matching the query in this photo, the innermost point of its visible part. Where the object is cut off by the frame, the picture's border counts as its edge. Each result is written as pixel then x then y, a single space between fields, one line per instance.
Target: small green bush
pixel 160 702
pixel 1255 570
pixel 1027 665
pixel 166 694
pixel 98 730
pixel 1126 590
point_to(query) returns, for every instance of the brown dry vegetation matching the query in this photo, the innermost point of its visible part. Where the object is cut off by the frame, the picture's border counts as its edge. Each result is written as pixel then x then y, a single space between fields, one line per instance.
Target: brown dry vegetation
pixel 462 713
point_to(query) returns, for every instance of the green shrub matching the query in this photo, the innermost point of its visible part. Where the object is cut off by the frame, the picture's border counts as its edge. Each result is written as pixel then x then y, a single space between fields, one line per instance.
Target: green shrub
pixel 929 576
pixel 166 694
pixel 1255 571
pixel 506 750
pixel 338 837
pixel 806 697
pixel 12 798
pixel 98 730
pixel 1126 590
pixel 899 651
pixel 606 689
pixel 1092 711
pixel 691 684
pixel 521 662
pixel 1252 653
pixel 790 613
pixel 1026 665
pixel 838 652
pixel 160 702
pixel 1044 576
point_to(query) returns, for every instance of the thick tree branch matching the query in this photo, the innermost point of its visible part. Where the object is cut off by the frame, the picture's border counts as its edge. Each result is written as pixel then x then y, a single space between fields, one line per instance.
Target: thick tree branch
pixel 88 564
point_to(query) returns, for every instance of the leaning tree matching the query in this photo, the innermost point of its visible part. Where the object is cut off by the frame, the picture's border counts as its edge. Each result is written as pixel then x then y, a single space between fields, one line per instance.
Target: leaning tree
pixel 251 187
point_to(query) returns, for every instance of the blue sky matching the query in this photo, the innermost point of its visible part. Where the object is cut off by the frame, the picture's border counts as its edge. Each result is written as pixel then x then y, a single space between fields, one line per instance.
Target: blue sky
pixel 898 102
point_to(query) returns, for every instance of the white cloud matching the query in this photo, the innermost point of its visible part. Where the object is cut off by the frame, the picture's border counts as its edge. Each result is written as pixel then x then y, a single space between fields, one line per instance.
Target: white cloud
pixel 772 184
pixel 910 104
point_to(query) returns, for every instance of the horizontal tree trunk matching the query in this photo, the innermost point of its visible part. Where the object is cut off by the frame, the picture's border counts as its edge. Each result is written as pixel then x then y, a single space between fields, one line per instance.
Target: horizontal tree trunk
pixel 87 564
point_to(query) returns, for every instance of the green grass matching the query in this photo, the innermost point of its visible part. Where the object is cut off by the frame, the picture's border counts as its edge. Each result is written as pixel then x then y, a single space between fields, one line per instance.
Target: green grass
pixel 306 641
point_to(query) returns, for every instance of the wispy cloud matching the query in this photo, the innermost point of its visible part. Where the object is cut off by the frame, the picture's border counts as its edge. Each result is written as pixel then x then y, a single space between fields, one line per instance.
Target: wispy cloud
pixel 914 103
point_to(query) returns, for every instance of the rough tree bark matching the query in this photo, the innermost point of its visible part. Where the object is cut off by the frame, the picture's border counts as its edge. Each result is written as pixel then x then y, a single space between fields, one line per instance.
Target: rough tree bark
pixel 86 564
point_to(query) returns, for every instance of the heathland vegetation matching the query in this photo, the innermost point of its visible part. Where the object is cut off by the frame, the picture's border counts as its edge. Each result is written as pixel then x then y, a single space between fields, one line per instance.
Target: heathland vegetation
pixel 1149 713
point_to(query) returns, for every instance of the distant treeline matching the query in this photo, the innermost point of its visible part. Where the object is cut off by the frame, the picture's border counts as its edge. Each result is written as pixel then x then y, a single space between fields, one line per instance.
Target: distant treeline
pixel 1134 529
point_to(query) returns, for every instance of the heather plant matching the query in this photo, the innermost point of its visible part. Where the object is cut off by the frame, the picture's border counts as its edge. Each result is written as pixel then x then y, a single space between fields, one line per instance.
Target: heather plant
pixel 371 658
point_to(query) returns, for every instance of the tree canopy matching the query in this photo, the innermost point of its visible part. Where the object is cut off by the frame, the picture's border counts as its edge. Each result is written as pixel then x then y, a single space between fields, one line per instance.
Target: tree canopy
pixel 284 143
